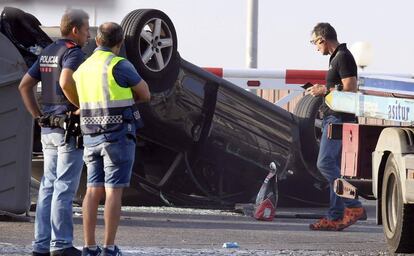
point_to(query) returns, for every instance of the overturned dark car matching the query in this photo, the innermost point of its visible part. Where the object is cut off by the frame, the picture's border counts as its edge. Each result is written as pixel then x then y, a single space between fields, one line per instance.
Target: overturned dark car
pixel 206 142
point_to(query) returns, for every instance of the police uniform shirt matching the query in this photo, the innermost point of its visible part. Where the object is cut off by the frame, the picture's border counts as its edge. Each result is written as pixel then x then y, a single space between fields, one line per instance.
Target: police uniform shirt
pixel 71 59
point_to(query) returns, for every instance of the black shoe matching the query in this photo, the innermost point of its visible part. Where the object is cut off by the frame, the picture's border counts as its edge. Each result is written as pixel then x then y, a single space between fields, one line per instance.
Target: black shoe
pixel 71 251
pixel 40 253
pixel 114 252
pixel 88 252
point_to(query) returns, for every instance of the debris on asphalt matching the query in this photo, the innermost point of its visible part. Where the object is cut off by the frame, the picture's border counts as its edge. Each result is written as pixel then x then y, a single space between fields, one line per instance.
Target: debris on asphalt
pixel 231 245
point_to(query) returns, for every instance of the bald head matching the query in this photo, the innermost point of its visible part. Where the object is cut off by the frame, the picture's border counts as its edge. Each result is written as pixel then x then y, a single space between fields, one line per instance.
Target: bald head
pixel 109 34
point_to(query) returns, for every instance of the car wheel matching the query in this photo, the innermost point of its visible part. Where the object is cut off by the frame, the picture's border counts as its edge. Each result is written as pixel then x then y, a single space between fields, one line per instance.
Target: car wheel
pixel 150 42
pixel 310 128
pixel 397 217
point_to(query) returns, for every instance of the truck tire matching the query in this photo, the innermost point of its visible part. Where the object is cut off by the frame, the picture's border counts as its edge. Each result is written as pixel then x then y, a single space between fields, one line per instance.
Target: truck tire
pixel 310 128
pixel 150 42
pixel 397 217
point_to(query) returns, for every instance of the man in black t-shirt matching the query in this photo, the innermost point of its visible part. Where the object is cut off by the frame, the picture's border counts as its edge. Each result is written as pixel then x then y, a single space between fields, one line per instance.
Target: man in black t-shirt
pixel 342 74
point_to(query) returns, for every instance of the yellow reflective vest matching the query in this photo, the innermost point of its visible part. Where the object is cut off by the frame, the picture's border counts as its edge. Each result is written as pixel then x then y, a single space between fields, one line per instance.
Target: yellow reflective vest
pixel 104 104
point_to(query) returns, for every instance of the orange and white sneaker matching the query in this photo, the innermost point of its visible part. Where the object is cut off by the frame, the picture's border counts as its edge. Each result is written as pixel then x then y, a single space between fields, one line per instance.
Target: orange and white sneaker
pixel 326 225
pixel 352 215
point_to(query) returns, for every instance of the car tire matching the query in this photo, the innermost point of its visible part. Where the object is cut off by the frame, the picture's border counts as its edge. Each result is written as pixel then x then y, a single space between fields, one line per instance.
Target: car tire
pixel 167 81
pixel 310 128
pixel 397 217
pixel 150 42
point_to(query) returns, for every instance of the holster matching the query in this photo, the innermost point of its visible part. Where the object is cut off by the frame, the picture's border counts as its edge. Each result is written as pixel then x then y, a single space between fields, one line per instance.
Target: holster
pixel 73 129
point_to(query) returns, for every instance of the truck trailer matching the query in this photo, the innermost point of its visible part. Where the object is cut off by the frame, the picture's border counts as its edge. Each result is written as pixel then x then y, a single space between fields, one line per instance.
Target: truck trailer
pixel 378 160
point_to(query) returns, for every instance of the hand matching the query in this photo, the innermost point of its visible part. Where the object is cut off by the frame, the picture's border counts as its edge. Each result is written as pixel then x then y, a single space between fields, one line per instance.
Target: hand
pixel 317 90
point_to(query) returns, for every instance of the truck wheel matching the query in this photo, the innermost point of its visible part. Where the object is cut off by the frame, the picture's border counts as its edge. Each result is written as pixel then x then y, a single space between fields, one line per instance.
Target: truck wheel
pixel 397 217
pixel 150 42
pixel 310 128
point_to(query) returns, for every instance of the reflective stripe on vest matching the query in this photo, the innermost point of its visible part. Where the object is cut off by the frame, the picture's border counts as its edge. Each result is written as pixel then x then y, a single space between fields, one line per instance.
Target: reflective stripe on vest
pixel 102 100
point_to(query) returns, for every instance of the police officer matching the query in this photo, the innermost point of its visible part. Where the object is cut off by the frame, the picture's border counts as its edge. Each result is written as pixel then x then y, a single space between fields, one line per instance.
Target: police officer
pixel 108 87
pixel 62 160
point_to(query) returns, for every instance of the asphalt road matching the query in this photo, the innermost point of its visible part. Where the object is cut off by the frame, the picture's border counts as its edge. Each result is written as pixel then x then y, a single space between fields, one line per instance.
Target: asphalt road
pixel 174 231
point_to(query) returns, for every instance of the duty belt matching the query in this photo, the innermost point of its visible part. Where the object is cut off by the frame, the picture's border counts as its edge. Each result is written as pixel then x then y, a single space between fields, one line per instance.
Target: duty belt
pixel 69 122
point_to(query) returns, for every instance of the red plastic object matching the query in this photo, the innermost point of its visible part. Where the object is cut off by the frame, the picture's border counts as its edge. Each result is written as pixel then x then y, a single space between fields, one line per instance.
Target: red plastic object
pixel 265 211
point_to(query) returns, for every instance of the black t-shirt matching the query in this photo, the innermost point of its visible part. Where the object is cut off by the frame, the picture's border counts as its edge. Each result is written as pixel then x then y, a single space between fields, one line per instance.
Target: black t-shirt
pixel 341 65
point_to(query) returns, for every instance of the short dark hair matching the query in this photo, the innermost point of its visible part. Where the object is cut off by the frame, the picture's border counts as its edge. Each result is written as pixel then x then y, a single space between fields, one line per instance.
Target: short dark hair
pixel 72 18
pixel 325 30
pixel 109 34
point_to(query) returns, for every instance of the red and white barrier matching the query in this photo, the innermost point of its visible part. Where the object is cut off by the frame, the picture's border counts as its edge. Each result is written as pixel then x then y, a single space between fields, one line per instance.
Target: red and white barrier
pixel 288 79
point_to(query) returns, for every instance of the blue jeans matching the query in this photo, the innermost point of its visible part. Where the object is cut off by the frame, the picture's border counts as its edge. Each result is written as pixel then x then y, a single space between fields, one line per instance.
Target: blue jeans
pixel 62 170
pixel 329 164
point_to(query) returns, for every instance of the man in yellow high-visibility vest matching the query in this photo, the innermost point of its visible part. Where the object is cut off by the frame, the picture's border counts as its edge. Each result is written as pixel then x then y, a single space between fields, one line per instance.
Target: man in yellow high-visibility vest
pixel 108 87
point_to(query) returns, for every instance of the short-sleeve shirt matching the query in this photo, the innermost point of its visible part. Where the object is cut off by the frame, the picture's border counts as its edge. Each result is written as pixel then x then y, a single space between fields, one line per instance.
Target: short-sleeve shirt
pixel 72 59
pixel 126 76
pixel 341 65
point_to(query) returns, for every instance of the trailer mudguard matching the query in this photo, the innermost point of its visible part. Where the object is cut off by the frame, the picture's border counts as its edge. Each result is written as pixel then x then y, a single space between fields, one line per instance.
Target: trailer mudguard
pixel 400 142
